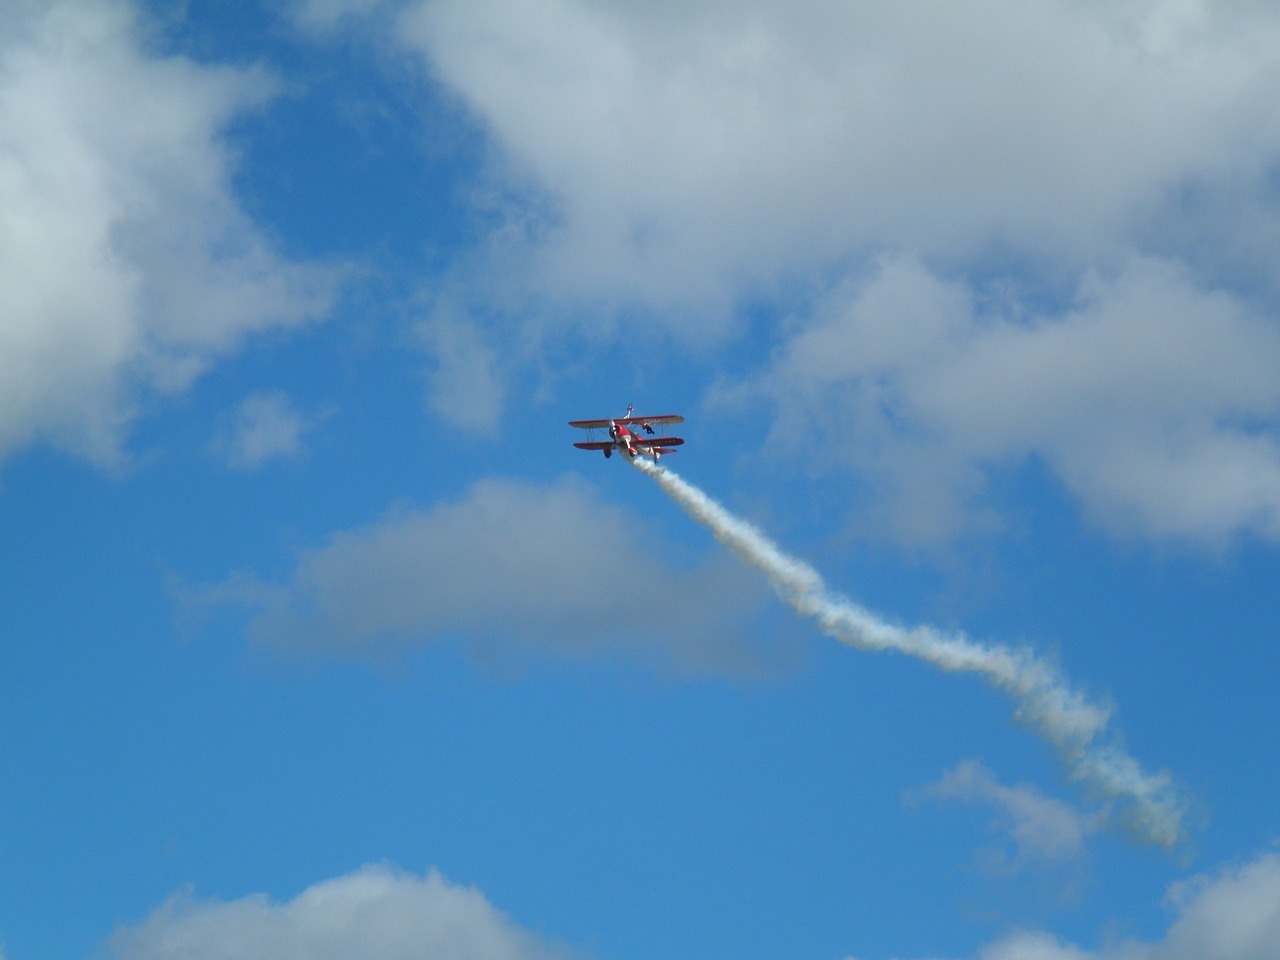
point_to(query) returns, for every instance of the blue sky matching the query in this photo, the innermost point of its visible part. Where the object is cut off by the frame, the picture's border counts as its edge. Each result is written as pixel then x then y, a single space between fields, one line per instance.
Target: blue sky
pixel 322 641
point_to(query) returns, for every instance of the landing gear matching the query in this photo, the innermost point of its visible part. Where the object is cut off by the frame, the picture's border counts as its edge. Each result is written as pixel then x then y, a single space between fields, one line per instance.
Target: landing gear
pixel 608 452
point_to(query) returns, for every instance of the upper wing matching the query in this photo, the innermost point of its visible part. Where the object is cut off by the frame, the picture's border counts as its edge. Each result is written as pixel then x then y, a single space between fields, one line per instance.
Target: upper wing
pixel 642 421
pixel 665 418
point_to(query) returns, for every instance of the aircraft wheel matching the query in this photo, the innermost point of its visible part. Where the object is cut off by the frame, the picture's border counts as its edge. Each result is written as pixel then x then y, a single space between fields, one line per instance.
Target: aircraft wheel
pixel 608 453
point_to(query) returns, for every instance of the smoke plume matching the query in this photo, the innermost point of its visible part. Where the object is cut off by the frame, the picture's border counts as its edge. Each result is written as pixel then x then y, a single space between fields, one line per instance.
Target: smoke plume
pixel 1146 802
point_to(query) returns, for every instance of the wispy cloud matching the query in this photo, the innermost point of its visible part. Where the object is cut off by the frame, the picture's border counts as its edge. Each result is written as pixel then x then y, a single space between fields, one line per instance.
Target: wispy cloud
pixel 267 427
pixel 463 386
pixel 1041 827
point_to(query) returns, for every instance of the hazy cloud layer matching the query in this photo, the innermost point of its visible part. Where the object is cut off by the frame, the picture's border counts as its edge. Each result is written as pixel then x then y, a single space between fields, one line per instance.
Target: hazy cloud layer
pixel 376 913
pixel 126 265
pixel 510 566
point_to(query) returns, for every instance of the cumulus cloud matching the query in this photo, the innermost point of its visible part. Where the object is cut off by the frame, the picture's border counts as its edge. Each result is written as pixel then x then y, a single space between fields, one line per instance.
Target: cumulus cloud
pixel 126 264
pixel 696 152
pixel 1233 915
pixel 1041 827
pixel 376 913
pixel 1082 192
pixel 1152 399
pixel 509 567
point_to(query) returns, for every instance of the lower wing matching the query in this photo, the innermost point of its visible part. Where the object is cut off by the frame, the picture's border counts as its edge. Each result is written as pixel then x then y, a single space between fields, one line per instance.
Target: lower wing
pixel 657 442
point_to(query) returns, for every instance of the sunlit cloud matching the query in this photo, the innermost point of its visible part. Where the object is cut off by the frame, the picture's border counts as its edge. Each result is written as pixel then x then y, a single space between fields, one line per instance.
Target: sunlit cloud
pixel 126 264
pixel 697 153
pixel 1079 190
pixel 380 912
pixel 1230 915
pixel 1151 399
pixel 376 913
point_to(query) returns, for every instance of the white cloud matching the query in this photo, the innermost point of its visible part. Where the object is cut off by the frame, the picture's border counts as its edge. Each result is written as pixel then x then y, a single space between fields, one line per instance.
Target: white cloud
pixel 1041 827
pixel 1153 400
pixel 1106 167
pixel 267 427
pixel 1234 915
pixel 126 265
pixel 698 152
pixel 375 913
pixel 510 567
pixel 1038 946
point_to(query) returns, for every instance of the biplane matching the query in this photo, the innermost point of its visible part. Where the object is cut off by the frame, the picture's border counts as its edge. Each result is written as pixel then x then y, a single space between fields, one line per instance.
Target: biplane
pixel 630 434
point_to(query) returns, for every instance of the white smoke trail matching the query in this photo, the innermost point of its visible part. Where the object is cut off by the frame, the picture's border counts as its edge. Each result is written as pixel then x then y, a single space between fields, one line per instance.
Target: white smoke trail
pixel 1045 700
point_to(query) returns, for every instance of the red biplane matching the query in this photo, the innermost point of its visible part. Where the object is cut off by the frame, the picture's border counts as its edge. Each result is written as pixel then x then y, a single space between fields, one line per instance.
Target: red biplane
pixel 622 437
